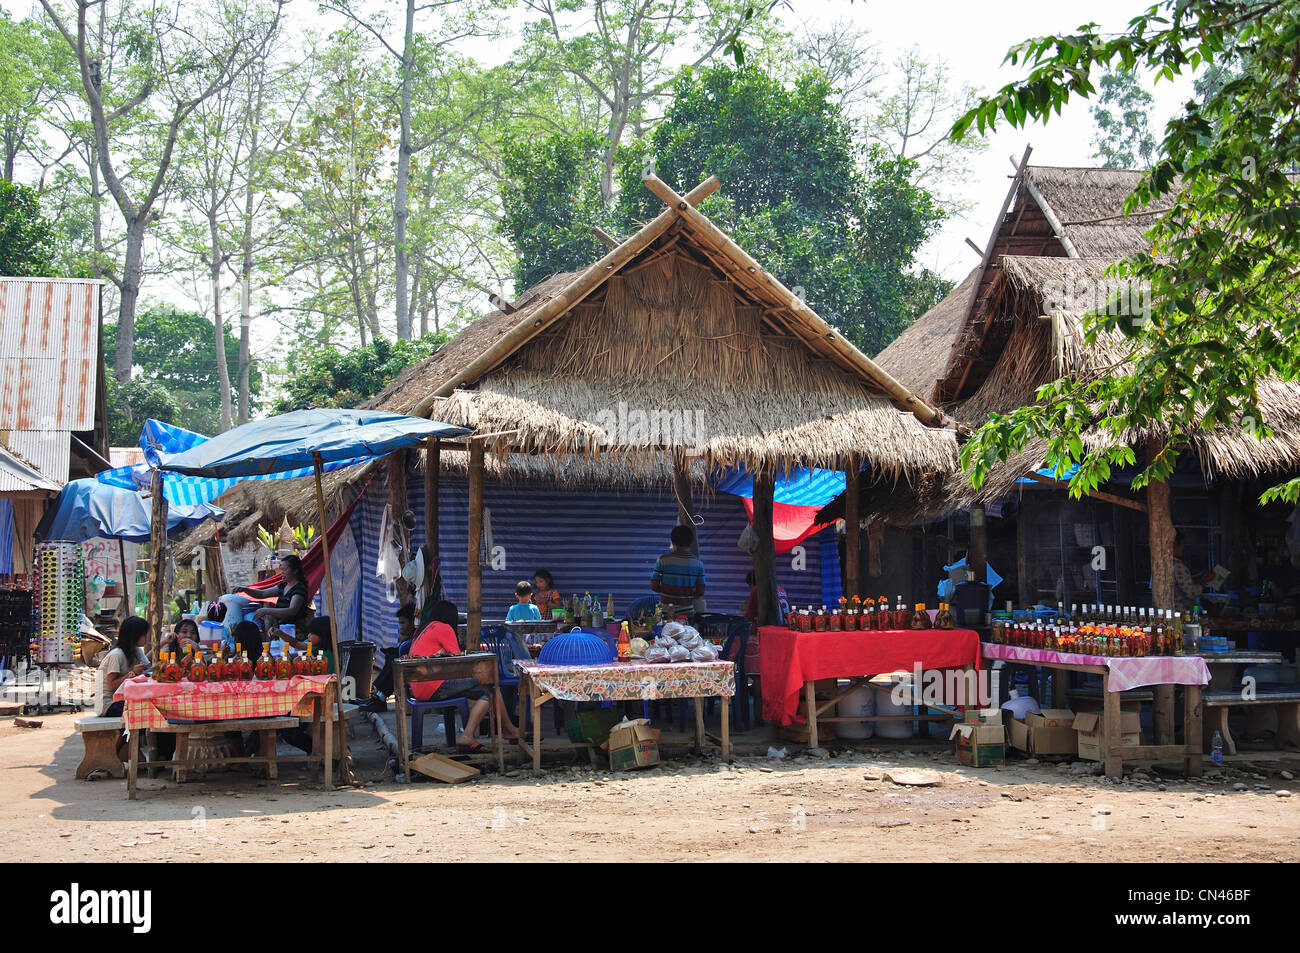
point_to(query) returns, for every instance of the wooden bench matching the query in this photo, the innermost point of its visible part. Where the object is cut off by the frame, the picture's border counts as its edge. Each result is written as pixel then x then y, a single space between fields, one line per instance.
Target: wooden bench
pixel 100 736
pixel 1284 701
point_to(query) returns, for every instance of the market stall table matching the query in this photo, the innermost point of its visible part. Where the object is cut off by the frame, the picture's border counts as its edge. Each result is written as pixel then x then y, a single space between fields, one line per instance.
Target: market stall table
pixel 259 705
pixel 624 681
pixel 480 666
pixel 1228 689
pixel 1121 675
pixel 792 662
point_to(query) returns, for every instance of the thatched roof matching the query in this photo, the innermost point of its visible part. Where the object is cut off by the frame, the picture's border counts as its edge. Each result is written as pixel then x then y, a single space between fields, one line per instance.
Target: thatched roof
pixel 917 357
pixel 1021 328
pixel 674 321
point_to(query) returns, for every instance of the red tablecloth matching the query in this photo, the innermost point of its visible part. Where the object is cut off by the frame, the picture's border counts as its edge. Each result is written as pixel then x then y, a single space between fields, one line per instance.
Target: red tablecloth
pixel 790 658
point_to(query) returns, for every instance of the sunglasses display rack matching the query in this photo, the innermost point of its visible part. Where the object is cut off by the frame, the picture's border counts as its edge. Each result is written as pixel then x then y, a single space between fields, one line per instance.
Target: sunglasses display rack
pixel 58 603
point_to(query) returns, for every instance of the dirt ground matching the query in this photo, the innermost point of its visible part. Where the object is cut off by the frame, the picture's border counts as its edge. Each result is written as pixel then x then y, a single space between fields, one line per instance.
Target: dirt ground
pixel 839 808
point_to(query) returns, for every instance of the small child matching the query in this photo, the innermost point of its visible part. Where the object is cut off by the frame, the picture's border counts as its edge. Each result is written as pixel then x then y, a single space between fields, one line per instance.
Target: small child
pixel 523 610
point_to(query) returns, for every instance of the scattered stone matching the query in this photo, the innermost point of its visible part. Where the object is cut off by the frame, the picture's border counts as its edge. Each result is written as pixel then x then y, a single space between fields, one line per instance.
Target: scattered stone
pixel 899 823
pixel 1288 775
pixel 1239 786
pixel 918 778
pixel 27 723
pixel 1282 793
pixel 820 754
pixel 1162 787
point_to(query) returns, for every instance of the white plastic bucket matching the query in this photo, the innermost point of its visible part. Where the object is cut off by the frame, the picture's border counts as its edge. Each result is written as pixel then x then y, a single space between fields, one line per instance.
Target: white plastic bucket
pixel 885 705
pixel 859 703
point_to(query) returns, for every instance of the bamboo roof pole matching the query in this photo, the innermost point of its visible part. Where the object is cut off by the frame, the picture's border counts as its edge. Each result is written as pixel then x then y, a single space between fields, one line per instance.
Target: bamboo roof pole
pixel 334 630
pixel 701 225
pixel 578 289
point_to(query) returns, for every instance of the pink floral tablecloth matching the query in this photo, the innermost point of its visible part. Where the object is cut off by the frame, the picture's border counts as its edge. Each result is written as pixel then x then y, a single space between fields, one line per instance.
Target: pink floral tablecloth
pixel 1125 673
pixel 149 704
pixel 630 681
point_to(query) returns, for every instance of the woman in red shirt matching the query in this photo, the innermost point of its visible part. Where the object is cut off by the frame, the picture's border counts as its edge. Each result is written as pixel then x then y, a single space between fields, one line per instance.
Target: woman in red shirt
pixel 439 638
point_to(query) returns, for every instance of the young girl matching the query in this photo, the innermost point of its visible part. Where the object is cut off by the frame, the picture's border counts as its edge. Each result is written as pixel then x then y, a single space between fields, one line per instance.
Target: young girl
pixel 126 660
pixel 185 635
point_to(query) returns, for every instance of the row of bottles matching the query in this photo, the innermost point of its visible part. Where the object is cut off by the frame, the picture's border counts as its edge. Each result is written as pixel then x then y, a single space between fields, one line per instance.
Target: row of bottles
pixel 191 667
pixel 868 615
pixel 1148 633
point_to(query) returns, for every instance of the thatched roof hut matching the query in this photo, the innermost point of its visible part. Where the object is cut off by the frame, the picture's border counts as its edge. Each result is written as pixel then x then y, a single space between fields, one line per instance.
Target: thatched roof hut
pixel 677 329
pixel 1015 324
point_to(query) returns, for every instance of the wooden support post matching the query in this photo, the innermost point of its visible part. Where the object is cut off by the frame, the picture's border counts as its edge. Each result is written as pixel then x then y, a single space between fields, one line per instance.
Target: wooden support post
pixel 875 536
pixel 325 552
pixel 852 530
pixel 977 559
pixel 685 504
pixel 474 572
pixel 432 464
pixel 1025 591
pixel 769 611
pixel 157 562
pixel 1160 529
pixel 125 606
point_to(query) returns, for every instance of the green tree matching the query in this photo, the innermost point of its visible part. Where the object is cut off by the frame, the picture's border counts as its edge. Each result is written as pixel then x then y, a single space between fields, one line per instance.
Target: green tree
pixel 132 403
pixel 26 238
pixel 796 193
pixel 1223 264
pixel 331 377
pixel 36 71
pixel 550 201
pixel 1123 117
pixel 177 353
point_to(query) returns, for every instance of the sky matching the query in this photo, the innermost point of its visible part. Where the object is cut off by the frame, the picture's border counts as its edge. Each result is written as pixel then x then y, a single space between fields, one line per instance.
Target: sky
pixel 971 38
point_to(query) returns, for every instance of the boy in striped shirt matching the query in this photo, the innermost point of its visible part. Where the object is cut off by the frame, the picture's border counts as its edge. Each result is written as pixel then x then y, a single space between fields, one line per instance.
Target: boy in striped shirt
pixel 678 575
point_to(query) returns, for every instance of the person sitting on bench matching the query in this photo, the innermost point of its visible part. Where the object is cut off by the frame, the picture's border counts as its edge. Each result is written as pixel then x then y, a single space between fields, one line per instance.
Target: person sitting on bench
pixel 439 638
pixel 126 660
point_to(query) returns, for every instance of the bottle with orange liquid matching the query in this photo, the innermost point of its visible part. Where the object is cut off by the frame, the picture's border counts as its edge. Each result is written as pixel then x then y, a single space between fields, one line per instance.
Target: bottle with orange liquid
pixel 284 665
pixel 217 667
pixel 265 667
pixel 198 671
pixel 302 662
pixel 171 670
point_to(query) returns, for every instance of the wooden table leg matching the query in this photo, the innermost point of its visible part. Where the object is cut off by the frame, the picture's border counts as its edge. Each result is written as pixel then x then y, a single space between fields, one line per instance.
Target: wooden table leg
pixel 133 763
pixel 1192 729
pixel 810 698
pixel 1162 713
pixel 537 726
pixel 327 766
pixel 268 752
pixel 318 733
pixel 403 747
pixel 339 724
pixel 726 727
pixel 699 724
pixel 180 753
pixel 1111 721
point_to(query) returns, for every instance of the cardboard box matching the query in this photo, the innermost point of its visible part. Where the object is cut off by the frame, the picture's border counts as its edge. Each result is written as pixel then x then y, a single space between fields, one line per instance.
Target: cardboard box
pixel 980 738
pixel 1091 733
pixel 632 744
pixel 1049 732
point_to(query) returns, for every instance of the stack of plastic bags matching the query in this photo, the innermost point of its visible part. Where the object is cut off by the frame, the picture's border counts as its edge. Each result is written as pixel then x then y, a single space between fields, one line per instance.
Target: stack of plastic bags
pixel 680 643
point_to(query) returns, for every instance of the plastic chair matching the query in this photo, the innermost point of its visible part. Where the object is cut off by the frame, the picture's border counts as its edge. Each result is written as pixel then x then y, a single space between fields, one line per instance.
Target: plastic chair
pixel 449 708
pixel 507 645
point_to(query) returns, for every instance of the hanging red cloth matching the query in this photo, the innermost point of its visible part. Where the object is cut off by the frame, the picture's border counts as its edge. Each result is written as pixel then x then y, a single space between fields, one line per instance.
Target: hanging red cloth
pixel 313 560
pixel 791 524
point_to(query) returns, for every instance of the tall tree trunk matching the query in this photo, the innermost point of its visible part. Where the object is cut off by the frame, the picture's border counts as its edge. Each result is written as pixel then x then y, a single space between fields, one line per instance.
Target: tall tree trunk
pixel 400 197
pixel 218 318
pixel 132 275
pixel 245 325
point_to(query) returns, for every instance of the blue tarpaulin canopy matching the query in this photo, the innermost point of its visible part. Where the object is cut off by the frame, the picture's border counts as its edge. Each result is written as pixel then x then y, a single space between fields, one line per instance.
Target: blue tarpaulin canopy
pixel 87 509
pixel 802 486
pixel 199 469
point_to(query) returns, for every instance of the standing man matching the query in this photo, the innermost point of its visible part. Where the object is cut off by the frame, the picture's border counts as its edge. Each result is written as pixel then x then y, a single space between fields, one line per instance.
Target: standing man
pixel 678 576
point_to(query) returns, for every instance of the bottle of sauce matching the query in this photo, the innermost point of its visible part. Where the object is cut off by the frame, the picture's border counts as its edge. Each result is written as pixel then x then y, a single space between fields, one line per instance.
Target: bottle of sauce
pixel 624 644
pixel 198 671
pixel 217 668
pixel 171 670
pixel 284 664
pixel 302 663
pixel 265 667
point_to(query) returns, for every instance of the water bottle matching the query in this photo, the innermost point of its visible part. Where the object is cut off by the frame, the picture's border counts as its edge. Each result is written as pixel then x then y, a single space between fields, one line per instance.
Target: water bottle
pixel 1216 748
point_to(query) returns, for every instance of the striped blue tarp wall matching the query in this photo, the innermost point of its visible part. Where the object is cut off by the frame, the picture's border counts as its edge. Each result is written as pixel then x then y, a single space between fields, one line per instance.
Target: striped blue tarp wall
pixel 591 540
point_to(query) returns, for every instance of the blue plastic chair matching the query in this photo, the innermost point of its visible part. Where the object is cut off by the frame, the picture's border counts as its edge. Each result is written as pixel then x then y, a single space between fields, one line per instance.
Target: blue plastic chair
pixel 449 708
pixel 507 645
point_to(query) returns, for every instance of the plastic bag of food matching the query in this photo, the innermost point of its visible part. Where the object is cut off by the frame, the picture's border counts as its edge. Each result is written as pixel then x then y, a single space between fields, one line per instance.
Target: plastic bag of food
pixel 664 641
pixel 707 652
pixel 656 654
pixel 673 630
pixel 692 642
pixel 679 653
pixel 688 632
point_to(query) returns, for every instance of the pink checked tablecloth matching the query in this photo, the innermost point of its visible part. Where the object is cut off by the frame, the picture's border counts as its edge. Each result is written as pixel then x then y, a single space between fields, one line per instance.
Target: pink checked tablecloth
pixel 1125 673
pixel 148 704
pixel 629 681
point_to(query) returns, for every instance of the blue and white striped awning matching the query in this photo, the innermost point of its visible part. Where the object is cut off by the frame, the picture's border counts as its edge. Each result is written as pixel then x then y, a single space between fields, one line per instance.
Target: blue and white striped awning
pixel 803 486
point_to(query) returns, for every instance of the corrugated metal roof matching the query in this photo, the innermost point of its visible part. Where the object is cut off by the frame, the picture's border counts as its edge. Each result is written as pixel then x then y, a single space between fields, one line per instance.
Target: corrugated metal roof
pixel 125 456
pixel 49 354
pixel 46 450
pixel 16 475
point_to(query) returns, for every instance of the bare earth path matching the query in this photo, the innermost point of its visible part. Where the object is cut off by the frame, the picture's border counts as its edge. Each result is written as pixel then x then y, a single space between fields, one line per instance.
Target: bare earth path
pixel 842 808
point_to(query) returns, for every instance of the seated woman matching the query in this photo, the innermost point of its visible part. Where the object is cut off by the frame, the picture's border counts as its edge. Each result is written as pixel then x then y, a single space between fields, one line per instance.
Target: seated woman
pixel 292 605
pixel 185 635
pixel 126 660
pixel 439 638
pixel 318 638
